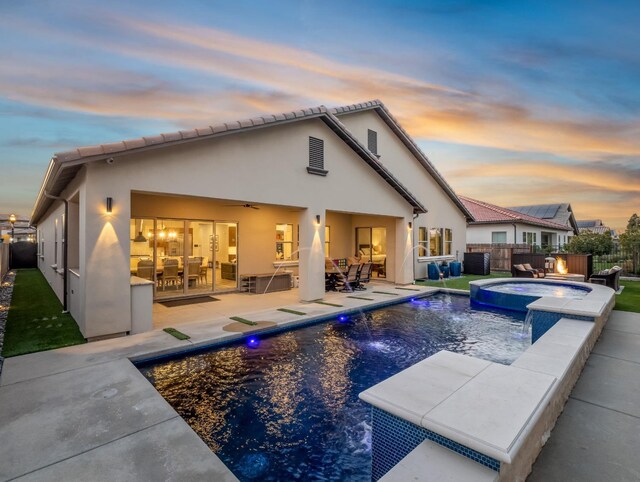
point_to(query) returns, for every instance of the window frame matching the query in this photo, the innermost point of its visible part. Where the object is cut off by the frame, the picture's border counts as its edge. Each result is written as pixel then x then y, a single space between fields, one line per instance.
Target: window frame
pixel 281 243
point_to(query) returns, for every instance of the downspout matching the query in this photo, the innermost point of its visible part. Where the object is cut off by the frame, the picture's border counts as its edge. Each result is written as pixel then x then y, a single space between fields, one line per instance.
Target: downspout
pixel 413 246
pixel 66 249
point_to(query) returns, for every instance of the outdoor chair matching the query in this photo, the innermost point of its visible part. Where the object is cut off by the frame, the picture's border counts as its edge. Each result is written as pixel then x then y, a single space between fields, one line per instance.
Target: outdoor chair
pixel 519 271
pixel 352 277
pixel 538 272
pixel 608 277
pixel 364 276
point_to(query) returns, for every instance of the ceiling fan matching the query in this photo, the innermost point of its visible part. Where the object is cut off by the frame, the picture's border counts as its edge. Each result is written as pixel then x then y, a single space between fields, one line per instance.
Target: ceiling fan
pixel 246 205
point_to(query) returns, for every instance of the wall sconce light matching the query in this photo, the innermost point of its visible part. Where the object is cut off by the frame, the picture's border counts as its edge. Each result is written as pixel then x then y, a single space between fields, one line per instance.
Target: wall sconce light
pixel 410 225
pixel 317 219
pixel 109 205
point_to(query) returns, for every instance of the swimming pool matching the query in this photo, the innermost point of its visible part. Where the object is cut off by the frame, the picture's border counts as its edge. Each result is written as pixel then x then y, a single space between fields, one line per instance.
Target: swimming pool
pixel 557 290
pixel 288 408
pixel 517 295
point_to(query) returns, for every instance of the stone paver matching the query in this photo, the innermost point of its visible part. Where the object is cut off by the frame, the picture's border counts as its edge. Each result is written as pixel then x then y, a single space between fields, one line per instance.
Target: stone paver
pixel 597 437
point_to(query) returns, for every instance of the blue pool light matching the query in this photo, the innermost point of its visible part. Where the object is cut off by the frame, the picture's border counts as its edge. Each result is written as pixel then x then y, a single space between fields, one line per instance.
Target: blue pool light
pixel 253 342
pixel 343 318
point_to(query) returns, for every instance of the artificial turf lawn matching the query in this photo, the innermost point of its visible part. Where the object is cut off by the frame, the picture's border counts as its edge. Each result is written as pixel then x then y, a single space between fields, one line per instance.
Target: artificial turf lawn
pixel 629 299
pixel 463 282
pixel 35 321
pixel 176 333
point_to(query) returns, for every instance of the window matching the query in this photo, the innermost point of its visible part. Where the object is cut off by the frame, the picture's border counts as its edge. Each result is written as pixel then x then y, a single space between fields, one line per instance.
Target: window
pixel 372 141
pixel 529 238
pixel 316 157
pixel 448 241
pixel 435 242
pixel 422 241
pixel 327 241
pixel 284 242
pixel 440 242
pixel 498 237
pixel 64 241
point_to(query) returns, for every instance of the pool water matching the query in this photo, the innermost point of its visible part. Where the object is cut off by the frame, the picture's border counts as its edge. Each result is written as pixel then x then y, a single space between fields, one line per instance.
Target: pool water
pixel 288 408
pixel 539 289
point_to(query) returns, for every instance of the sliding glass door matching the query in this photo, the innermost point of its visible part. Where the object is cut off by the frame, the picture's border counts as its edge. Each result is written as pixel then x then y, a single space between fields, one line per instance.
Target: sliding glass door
pixel 371 246
pixel 185 257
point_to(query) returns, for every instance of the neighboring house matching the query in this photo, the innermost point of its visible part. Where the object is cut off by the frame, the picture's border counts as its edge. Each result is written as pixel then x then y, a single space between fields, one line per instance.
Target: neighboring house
pixel 210 206
pixel 560 213
pixel 595 226
pixel 497 225
pixel 22 230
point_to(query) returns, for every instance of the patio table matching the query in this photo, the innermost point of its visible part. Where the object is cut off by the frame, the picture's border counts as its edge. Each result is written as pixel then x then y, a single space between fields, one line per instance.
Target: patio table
pixel 332 276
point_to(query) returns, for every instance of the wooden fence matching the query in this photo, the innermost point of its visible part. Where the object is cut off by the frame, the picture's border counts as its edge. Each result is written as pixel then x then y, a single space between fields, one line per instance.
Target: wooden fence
pixel 501 254
pixel 4 259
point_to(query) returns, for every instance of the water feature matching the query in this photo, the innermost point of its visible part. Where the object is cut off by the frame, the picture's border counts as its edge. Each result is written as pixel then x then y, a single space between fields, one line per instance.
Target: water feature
pixel 287 408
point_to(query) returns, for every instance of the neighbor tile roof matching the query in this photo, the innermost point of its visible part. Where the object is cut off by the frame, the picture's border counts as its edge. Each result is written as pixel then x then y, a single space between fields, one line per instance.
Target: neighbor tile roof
pixel 485 213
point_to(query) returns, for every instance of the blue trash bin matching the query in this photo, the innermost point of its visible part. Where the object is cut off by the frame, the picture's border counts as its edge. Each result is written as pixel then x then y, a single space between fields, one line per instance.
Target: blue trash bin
pixel 456 268
pixel 433 271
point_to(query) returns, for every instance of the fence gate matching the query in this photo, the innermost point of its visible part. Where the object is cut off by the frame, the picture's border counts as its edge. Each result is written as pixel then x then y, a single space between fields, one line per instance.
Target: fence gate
pixel 23 254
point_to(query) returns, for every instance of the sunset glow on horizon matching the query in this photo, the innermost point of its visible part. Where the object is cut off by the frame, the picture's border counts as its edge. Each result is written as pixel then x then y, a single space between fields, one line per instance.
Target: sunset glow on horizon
pixel 514 102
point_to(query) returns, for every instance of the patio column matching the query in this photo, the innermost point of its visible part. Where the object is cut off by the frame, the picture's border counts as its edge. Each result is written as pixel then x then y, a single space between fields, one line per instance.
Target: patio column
pixel 311 255
pixel 404 251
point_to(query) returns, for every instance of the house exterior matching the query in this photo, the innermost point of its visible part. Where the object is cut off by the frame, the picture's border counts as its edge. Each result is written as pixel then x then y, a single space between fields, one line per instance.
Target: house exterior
pixel 262 195
pixel 497 225
pixel 595 226
pixel 560 213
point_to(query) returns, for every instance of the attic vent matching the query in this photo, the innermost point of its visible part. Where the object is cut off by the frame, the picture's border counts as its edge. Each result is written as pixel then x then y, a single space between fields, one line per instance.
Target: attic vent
pixel 372 141
pixel 316 157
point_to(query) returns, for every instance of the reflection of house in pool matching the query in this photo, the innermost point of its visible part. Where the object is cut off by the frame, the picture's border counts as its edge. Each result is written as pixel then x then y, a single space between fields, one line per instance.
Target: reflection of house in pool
pixel 196 211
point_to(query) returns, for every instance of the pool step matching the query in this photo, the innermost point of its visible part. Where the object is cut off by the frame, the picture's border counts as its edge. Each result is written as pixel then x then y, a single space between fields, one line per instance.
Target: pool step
pixel 430 462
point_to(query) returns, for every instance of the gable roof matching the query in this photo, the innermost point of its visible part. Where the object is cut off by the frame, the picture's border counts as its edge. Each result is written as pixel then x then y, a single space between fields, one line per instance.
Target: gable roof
pixel 560 213
pixel 485 213
pixel 591 223
pixel 409 143
pixel 64 166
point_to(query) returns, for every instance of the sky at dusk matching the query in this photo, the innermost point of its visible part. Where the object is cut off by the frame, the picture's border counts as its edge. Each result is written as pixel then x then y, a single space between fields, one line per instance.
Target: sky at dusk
pixel 514 102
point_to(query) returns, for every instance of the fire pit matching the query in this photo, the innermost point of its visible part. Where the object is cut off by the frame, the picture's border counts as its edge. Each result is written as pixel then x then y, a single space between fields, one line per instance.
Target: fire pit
pixel 562 272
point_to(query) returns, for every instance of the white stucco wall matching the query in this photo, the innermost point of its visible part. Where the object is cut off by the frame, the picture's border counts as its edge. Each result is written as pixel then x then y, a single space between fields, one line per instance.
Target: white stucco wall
pixel 266 167
pixel 442 211
pixel 481 233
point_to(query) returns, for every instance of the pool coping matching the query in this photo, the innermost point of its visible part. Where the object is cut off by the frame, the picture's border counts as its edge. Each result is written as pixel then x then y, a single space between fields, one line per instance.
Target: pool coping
pixel 558 355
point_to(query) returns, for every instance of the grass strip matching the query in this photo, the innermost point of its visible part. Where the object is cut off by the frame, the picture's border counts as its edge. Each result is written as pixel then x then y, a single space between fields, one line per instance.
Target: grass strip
pixel 176 334
pixel 629 299
pixel 293 312
pixel 361 298
pixel 384 293
pixel 35 321
pixel 243 320
pixel 407 289
pixel 328 304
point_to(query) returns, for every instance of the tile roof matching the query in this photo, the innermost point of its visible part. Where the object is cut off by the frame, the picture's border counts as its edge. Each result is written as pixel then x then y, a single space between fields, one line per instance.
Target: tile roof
pixel 485 213
pixel 65 165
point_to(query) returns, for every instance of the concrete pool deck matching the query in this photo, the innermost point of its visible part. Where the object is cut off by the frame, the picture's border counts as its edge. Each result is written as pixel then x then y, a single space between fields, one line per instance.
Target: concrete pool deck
pixel 86 413
pixel 597 437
